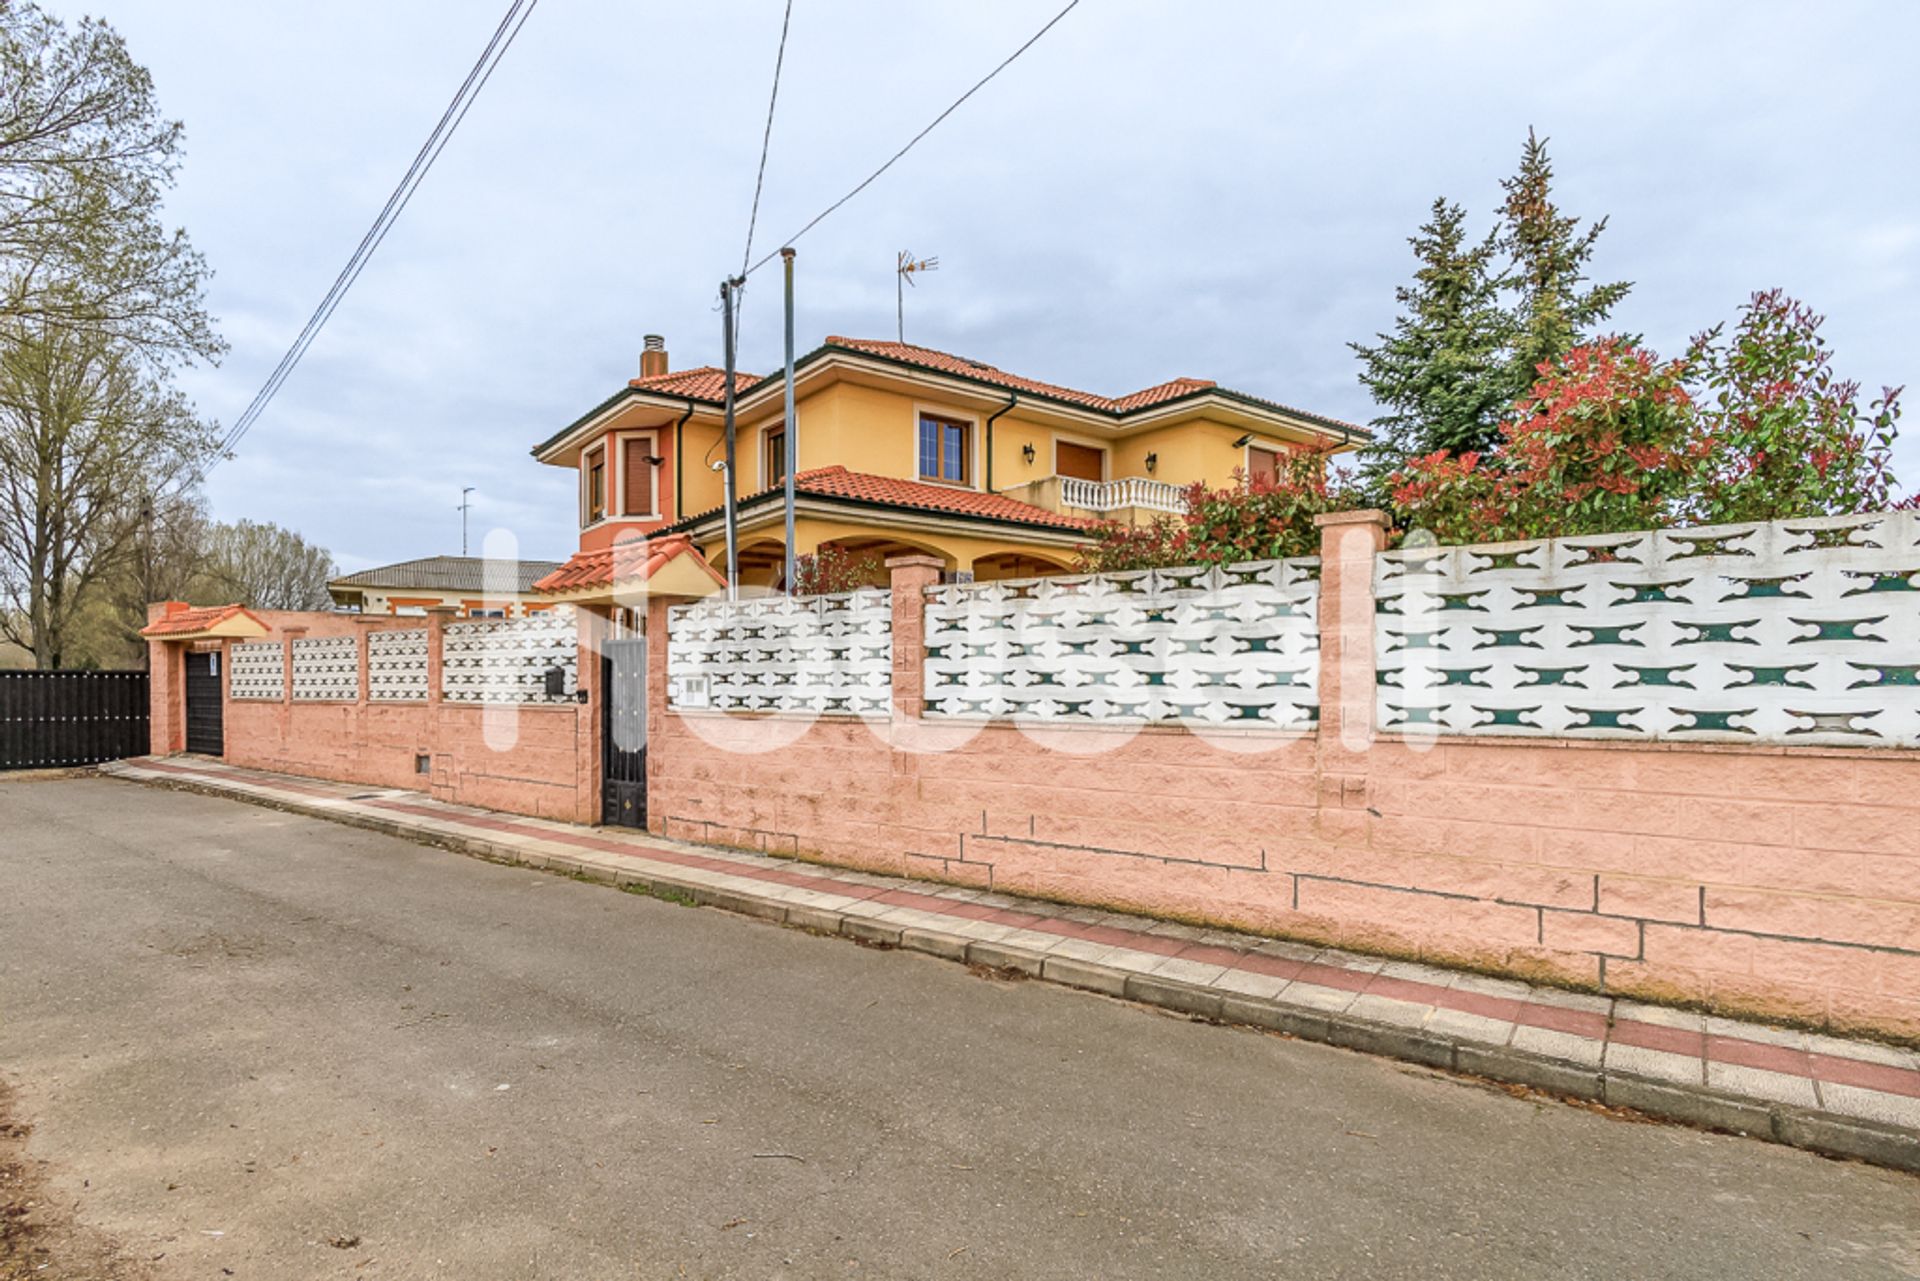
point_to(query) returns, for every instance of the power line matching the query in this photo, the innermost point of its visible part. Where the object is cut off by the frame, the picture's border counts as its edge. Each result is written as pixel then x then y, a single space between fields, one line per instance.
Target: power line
pixel 912 142
pixel 456 111
pixel 766 139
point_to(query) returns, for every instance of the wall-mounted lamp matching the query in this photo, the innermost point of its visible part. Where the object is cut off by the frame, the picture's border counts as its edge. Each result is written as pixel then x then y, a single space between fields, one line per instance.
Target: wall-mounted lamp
pixel 1244 441
pixel 1153 461
pixel 1027 452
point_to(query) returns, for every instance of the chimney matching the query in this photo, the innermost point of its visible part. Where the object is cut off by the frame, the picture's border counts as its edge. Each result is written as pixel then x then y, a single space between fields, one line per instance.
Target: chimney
pixel 653 359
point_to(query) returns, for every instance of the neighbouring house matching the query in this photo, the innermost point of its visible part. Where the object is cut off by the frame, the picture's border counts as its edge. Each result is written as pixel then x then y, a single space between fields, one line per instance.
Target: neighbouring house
pixel 465 583
pixel 905 449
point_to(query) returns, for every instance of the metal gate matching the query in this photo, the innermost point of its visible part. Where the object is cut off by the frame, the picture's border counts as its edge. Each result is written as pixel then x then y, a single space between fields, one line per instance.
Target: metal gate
pixel 205 732
pixel 54 720
pixel 623 676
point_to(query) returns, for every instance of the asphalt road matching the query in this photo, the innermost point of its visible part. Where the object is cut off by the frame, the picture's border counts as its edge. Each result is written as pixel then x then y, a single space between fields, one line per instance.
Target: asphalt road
pixel 241 1034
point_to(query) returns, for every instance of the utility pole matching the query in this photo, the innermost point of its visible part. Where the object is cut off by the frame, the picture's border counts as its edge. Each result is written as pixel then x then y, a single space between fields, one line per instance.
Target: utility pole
pixel 728 289
pixel 904 267
pixel 466 505
pixel 791 435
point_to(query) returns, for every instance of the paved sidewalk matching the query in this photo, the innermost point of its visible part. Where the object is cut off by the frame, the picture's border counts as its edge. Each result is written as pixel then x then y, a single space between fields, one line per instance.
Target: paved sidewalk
pixel 1850 1098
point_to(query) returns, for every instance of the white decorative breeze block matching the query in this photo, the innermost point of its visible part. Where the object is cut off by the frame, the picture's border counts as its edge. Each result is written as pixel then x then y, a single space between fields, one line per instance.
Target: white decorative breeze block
pixel 819 654
pixel 1210 645
pixel 326 669
pixel 506 660
pixel 397 666
pixel 257 671
pixel 1800 631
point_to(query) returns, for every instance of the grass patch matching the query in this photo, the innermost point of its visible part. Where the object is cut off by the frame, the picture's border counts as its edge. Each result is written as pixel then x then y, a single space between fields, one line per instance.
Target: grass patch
pixel 665 893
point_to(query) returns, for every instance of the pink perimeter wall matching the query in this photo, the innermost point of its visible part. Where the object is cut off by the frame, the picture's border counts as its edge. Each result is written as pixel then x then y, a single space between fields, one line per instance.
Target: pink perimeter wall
pixel 532 759
pixel 1754 880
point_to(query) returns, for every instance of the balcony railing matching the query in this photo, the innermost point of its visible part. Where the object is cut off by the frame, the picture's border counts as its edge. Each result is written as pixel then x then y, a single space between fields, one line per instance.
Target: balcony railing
pixel 1116 495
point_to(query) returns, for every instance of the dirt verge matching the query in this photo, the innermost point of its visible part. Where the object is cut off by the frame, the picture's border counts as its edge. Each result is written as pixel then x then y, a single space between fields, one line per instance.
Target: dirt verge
pixel 39 1239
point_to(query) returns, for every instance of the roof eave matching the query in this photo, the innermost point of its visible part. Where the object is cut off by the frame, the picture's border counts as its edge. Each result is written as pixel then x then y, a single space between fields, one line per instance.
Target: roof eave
pixel 754 502
pixel 557 443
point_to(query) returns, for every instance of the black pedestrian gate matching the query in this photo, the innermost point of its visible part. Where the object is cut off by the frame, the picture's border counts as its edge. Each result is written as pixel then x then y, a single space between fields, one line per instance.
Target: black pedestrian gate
pixel 54 720
pixel 206 731
pixel 623 784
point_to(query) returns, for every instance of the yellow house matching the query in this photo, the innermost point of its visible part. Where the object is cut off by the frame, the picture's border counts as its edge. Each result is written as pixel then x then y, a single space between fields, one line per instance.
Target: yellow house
pixel 903 448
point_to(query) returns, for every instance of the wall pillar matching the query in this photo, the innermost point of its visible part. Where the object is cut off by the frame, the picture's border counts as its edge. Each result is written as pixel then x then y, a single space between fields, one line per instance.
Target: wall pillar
pixel 656 633
pixel 440 781
pixel 166 687
pixel 911 576
pixel 594 626
pixel 1349 541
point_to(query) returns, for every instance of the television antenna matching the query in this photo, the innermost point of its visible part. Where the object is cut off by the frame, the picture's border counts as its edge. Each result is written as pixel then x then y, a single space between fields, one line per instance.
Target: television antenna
pixel 905 267
pixel 466 505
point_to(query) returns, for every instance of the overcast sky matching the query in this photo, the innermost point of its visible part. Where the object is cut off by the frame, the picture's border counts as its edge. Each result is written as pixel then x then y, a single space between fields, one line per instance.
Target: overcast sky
pixel 1213 189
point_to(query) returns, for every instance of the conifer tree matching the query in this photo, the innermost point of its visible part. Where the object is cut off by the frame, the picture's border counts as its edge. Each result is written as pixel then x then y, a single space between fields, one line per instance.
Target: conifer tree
pixel 1443 373
pixel 1556 306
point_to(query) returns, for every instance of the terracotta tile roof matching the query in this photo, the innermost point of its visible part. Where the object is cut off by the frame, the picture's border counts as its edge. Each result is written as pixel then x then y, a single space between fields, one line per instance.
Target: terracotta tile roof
pixel 1146 398
pixel 979 371
pixel 177 622
pixel 1172 389
pixel 707 383
pixel 913 495
pixel 444 574
pixel 623 563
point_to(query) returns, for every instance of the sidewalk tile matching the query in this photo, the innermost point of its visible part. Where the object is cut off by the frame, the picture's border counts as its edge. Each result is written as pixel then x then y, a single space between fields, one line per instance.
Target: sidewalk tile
pixel 1657 1064
pixel 1185 971
pixel 1756 1083
pixel 1512 989
pixel 1385 1009
pixel 1250 983
pixel 1560 998
pixel 1331 999
pixel 1890 1109
pixel 1663 1016
pixel 1583 1050
pixel 1868 1051
pixel 1414 972
pixel 1470 1027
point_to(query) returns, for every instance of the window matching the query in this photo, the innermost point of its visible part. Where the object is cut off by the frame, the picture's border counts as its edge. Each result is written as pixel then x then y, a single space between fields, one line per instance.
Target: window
pixel 476 611
pixel 945 450
pixel 637 495
pixel 596 486
pixel 773 460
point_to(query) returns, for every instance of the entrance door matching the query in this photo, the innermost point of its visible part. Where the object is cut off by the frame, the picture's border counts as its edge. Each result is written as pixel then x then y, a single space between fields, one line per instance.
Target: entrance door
pixel 205 733
pixel 623 675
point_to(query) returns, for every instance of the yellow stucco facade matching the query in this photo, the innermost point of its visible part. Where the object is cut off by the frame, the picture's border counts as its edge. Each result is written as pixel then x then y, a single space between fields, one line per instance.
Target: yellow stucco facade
pixel 1007 489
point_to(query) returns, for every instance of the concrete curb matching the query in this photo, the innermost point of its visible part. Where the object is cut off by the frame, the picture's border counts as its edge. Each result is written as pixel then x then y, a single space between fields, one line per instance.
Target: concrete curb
pixel 1827 1133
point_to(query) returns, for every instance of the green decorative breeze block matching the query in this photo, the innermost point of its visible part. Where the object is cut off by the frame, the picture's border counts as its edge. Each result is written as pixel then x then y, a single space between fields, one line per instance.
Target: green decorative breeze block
pixel 1836 629
pixel 1778 676
pixel 1657 676
pixel 1886 674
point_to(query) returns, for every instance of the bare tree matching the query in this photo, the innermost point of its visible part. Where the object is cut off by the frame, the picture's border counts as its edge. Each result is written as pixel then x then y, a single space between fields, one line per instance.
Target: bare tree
pixel 87 431
pixel 99 304
pixel 258 563
pixel 85 162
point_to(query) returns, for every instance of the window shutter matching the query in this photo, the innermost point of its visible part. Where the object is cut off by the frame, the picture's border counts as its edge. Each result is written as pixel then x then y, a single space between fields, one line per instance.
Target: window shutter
pixel 639 480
